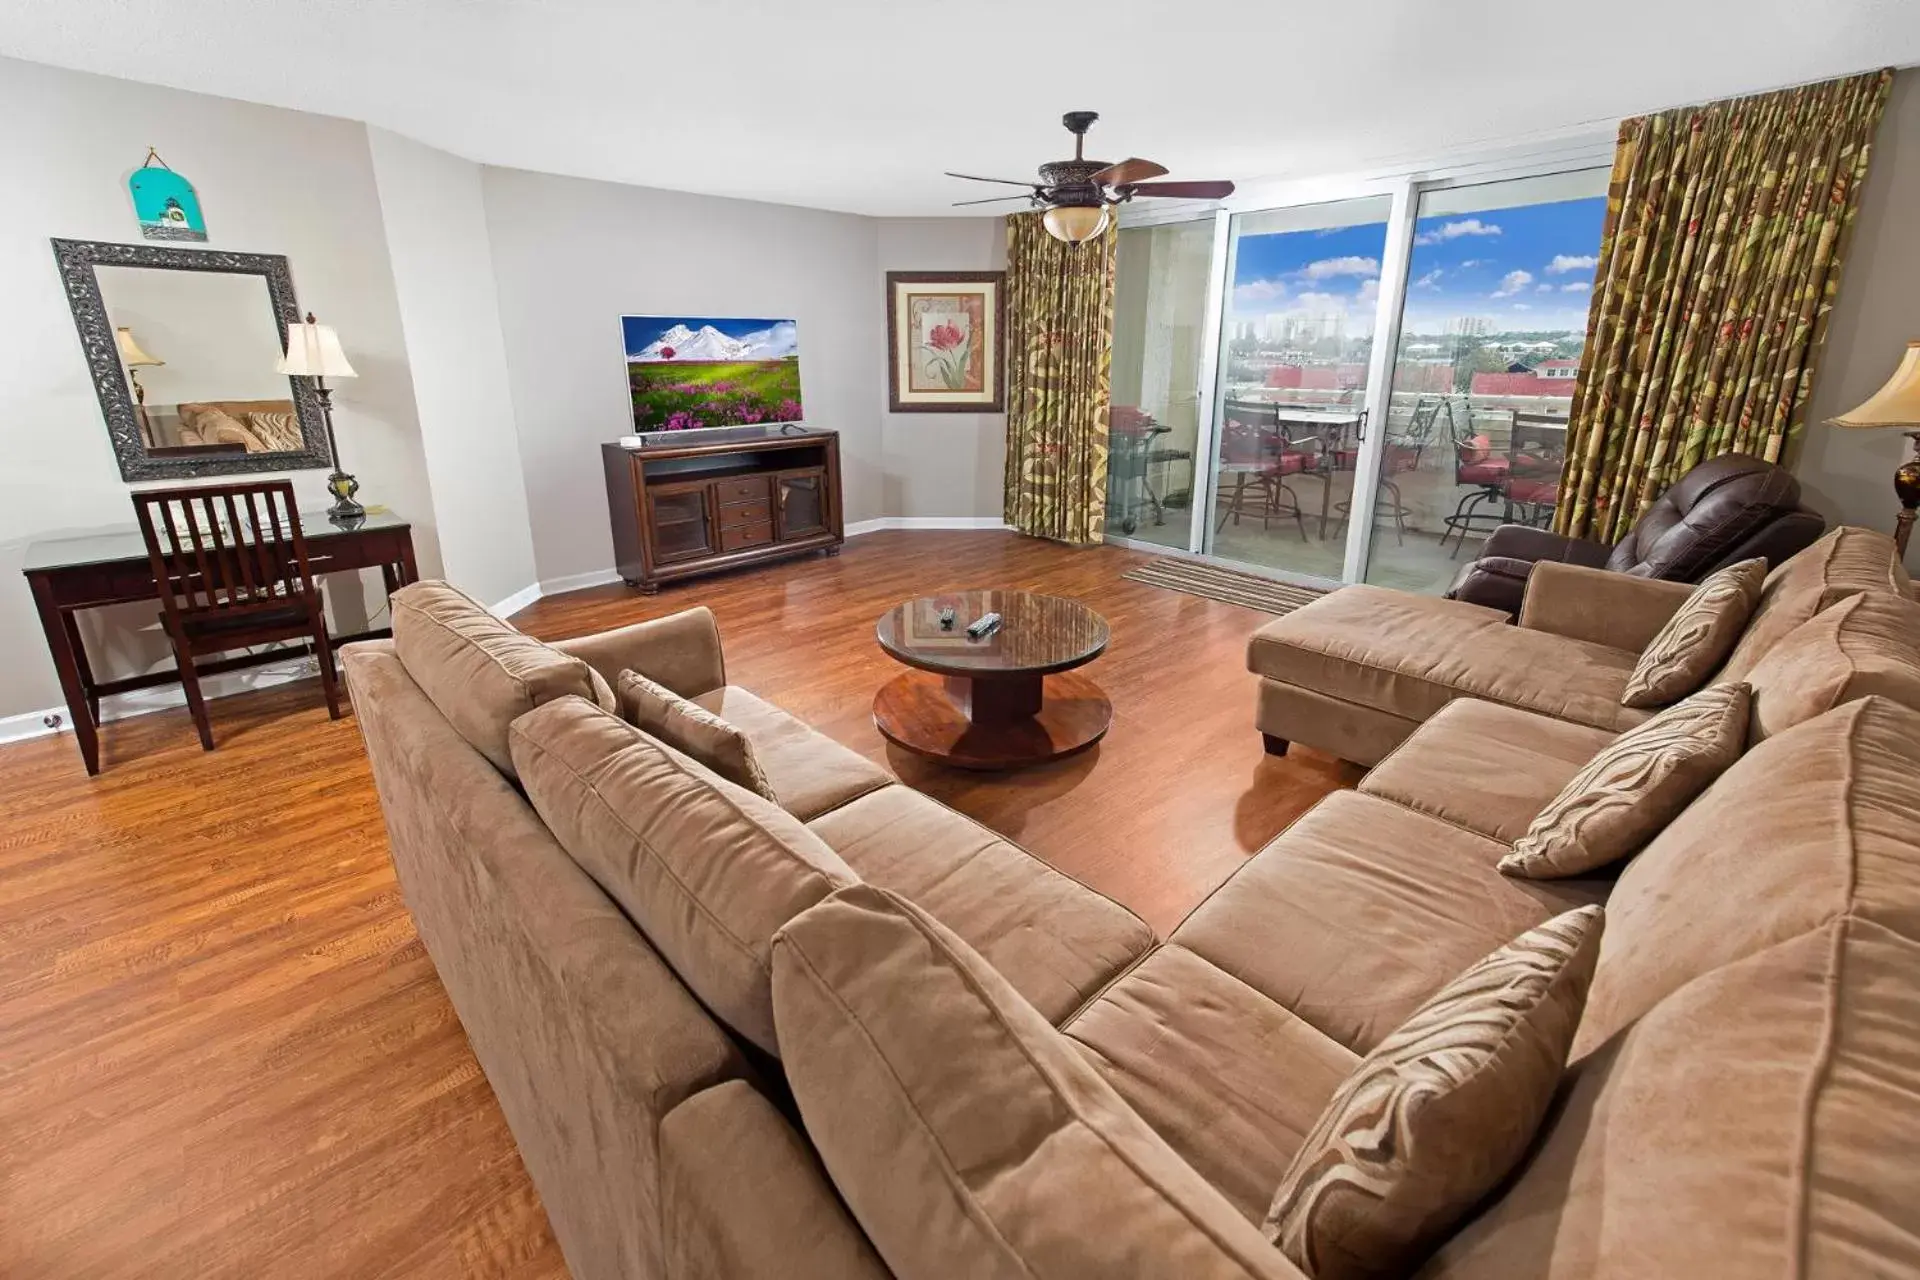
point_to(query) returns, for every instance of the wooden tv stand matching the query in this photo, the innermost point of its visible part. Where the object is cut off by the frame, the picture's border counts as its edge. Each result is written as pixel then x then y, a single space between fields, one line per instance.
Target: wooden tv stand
pixel 722 499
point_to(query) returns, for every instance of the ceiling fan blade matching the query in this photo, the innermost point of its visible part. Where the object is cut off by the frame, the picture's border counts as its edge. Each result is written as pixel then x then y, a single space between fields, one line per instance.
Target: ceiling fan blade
pixel 1185 190
pixel 989 200
pixel 1127 172
pixel 1009 182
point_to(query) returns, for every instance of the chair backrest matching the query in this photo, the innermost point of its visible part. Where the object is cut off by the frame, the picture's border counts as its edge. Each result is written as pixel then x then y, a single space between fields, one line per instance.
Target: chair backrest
pixel 1721 503
pixel 225 547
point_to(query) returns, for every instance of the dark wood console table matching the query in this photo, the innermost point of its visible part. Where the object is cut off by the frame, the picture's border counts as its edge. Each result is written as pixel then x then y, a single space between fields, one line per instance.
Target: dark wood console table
pixel 67 575
pixel 704 501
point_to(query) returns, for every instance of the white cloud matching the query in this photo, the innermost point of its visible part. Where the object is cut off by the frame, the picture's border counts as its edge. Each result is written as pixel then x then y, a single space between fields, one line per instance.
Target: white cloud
pixel 1521 306
pixel 1319 303
pixel 1578 286
pixel 1545 288
pixel 1454 230
pixel 1428 280
pixel 1352 265
pixel 1255 292
pixel 1565 262
pixel 1368 294
pixel 1512 283
pixel 1473 262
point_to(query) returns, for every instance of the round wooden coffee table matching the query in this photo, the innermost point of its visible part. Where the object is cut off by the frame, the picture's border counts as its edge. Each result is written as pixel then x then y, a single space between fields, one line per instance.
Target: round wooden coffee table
pixel 1009 699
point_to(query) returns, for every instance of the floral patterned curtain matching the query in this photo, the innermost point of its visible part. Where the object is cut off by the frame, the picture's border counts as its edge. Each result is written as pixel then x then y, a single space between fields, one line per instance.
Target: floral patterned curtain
pixel 1725 231
pixel 1059 350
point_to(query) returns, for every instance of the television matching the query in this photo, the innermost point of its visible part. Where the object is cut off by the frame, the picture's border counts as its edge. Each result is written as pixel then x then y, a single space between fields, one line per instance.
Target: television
pixel 689 372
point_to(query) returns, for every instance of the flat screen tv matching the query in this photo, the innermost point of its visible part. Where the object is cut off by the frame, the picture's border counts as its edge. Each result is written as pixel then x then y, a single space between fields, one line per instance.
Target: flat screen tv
pixel 687 372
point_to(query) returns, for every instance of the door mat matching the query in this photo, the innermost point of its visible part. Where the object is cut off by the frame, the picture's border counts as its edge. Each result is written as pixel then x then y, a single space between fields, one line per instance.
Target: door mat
pixel 1226 585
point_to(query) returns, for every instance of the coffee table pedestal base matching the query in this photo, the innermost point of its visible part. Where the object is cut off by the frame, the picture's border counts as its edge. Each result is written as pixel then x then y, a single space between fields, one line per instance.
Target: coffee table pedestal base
pixel 994 722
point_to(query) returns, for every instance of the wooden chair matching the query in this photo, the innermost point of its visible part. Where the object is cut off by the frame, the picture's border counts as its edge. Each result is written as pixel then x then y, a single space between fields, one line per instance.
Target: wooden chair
pixel 231 565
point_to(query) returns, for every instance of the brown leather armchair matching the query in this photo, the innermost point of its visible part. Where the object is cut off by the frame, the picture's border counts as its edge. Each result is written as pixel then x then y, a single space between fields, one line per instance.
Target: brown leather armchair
pixel 1727 509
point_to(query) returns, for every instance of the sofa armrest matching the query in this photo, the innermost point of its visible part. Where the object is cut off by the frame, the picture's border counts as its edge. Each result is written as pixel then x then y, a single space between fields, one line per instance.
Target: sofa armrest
pixel 1618 610
pixel 1493 582
pixel 969 1137
pixel 680 651
pixel 743 1195
pixel 1522 542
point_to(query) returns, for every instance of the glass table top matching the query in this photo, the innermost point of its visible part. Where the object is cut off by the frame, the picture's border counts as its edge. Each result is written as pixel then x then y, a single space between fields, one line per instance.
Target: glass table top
pixel 105 546
pixel 1037 634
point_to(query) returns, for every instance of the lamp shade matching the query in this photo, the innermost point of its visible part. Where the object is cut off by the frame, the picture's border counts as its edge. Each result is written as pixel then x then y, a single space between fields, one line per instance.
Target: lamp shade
pixel 1075 223
pixel 1895 405
pixel 130 353
pixel 313 351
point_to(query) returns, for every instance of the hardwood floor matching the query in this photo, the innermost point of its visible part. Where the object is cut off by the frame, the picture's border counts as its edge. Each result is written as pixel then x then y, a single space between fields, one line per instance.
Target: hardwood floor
pixel 223 1051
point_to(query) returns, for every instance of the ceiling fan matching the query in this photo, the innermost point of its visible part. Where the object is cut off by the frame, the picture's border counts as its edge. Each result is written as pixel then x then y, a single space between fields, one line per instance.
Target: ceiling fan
pixel 1077 193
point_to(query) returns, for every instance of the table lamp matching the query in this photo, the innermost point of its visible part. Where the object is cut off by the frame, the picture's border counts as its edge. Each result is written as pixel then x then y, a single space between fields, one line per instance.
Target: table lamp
pixel 135 359
pixel 313 351
pixel 1897 405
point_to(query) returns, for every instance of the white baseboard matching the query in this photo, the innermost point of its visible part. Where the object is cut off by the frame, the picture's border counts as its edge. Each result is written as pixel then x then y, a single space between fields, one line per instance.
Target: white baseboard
pixel 859 527
pixel 578 581
pixel 123 706
pixel 529 594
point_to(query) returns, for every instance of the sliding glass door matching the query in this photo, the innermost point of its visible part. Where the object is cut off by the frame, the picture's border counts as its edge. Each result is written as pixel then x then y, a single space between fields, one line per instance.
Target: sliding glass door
pixel 1484 373
pixel 1296 340
pixel 1161 278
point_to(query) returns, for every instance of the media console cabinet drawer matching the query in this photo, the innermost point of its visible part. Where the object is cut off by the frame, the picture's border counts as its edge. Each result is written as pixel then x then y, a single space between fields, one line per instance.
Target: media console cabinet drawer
pixel 737 537
pixel 741 489
pixel 717 500
pixel 732 513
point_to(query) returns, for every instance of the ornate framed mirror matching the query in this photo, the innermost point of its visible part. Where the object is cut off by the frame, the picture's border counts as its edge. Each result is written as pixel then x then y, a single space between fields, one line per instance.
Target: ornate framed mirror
pixel 182 345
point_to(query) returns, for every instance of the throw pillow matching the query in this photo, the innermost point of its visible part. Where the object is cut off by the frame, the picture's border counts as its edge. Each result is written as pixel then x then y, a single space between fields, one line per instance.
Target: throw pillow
pixel 279 432
pixel 1441 1110
pixel 1636 785
pixel 689 727
pixel 1698 637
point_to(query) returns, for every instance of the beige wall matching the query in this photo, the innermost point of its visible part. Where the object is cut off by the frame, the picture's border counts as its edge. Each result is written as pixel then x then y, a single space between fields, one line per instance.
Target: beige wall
pixel 1848 475
pixel 269 181
pixel 436 230
pixel 940 465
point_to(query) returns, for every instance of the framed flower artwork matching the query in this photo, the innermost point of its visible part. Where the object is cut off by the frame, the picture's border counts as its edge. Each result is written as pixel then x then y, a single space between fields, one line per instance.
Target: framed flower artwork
pixel 944 352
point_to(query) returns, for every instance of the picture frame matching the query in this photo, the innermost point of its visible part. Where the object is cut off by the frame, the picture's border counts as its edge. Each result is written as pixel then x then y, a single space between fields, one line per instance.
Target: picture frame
pixel 946 341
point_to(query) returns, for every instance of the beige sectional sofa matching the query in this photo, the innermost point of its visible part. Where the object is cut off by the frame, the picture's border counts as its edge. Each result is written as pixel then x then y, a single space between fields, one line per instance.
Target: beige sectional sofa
pixel 1034 1085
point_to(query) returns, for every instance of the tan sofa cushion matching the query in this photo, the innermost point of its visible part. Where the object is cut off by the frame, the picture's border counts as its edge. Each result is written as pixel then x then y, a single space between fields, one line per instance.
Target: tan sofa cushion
pixel 1440 1112
pixel 969 1137
pixel 1868 643
pixel 1362 909
pixel 1228 1078
pixel 707 870
pixel 1057 941
pixel 687 726
pixel 809 772
pixel 1485 767
pixel 481 673
pixel 742 1194
pixel 1741 1096
pixel 1843 563
pixel 1411 655
pixel 1633 788
pixel 1697 639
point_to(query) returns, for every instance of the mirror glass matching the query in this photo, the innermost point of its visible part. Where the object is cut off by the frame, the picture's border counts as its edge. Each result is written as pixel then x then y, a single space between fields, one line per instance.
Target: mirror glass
pixel 198 349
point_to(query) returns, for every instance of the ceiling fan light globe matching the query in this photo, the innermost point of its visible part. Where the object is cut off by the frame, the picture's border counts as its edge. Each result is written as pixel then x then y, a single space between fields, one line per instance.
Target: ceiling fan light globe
pixel 1075 224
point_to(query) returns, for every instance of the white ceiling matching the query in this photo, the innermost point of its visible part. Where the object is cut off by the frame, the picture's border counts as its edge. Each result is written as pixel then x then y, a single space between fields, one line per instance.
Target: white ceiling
pixel 859 105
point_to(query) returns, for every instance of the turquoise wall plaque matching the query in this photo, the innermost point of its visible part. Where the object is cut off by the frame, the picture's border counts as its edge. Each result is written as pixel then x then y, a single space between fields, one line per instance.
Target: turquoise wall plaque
pixel 165 202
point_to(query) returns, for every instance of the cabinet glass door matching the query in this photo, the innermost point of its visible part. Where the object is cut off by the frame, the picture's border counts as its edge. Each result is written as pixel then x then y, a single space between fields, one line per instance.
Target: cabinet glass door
pixel 681 527
pixel 801 503
pixel 1296 340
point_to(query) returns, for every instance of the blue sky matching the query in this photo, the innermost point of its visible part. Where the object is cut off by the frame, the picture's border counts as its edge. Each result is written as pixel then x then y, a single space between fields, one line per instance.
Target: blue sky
pixel 1528 267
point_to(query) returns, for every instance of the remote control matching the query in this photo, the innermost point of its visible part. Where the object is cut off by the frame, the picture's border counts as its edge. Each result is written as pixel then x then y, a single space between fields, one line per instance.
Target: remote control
pixel 986 626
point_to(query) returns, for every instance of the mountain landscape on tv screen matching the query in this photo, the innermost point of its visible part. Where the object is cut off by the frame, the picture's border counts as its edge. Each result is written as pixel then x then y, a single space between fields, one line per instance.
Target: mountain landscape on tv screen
pixel 686 372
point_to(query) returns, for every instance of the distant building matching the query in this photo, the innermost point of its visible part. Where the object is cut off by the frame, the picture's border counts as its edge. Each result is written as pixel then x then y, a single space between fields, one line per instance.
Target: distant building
pixel 1568 369
pixel 1521 384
